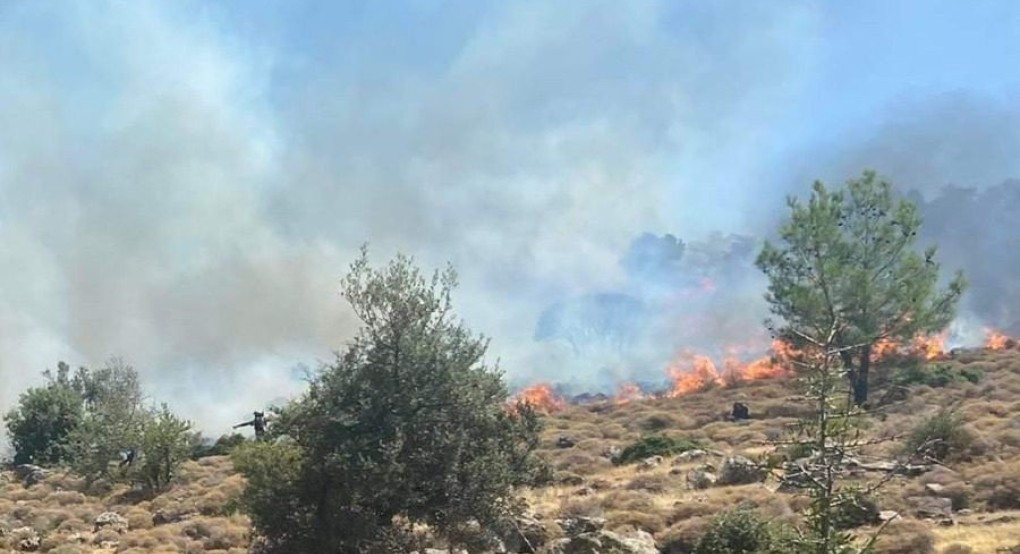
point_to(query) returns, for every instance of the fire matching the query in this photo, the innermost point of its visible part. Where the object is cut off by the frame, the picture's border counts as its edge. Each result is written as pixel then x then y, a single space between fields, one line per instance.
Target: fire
pixel 931 348
pixel 542 398
pixel 995 340
pixel 692 373
pixel 626 393
pixel 883 348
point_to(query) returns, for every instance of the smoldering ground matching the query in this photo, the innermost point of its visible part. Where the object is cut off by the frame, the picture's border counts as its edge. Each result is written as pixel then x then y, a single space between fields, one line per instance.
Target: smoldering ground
pixel 183 185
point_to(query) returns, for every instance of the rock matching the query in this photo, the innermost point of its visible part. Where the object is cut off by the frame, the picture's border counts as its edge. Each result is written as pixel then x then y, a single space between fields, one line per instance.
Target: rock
pixel 163 517
pixel 689 456
pixel 937 509
pixel 650 462
pixel 30 474
pixel 525 533
pixel 740 411
pixel 738 470
pixel 613 452
pixel 110 520
pixel 26 539
pixel 699 479
pixel 580 525
pixel 565 442
pixel 910 470
pixel 29 544
pixel 887 515
pixel 605 542
pixel 934 489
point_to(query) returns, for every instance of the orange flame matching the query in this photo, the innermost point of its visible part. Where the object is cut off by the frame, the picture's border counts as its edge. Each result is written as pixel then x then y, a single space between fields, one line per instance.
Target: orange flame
pixel 692 373
pixel 627 392
pixel 883 348
pixel 932 347
pixel 995 340
pixel 541 397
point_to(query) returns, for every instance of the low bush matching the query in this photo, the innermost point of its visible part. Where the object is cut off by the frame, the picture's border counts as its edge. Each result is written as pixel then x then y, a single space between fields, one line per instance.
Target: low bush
pixel 739 532
pixel 940 437
pixel 937 376
pixel 655 445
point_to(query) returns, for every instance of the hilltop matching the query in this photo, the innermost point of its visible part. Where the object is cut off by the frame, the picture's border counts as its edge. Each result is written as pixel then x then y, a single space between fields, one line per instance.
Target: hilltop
pixel 982 483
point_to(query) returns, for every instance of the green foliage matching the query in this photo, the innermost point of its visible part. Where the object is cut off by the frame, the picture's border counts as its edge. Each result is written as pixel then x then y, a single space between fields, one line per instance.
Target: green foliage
pixel 89 420
pixel 854 509
pixel 655 445
pixel 936 376
pixel 740 531
pixel 407 425
pixel 165 446
pixel 849 257
pixel 275 497
pixel 114 421
pixel 44 419
pixel 940 437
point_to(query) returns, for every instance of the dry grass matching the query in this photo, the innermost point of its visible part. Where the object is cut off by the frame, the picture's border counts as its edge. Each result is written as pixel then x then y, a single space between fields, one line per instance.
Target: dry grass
pixel 62 514
pixel 984 480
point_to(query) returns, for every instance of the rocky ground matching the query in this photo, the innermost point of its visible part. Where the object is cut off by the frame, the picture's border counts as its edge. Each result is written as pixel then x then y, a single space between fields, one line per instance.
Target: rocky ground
pixel 659 504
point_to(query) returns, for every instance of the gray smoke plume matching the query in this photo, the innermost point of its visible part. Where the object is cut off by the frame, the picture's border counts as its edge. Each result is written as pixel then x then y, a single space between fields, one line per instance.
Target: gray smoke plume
pixel 183 185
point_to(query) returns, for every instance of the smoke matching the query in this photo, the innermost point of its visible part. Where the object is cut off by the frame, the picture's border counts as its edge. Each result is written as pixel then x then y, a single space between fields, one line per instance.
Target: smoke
pixel 183 185
pixel 956 155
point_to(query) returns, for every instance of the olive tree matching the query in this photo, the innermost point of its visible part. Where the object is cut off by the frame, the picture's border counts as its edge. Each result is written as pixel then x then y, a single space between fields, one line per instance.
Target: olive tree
pixel 408 425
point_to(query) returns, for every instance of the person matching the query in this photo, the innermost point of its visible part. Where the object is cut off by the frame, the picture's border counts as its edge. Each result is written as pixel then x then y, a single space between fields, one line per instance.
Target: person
pixel 258 422
pixel 128 457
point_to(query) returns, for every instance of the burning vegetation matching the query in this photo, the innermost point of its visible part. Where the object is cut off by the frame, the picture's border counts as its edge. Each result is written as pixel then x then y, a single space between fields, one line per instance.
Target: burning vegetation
pixel 691 372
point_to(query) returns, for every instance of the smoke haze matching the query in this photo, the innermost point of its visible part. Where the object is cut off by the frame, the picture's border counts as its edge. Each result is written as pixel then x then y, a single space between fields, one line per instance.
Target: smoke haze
pixel 183 184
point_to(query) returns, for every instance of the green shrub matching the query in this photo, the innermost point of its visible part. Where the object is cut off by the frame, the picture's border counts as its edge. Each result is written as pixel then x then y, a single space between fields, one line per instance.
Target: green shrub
pixel 739 531
pixel 940 436
pixel 856 510
pixel 655 445
pixel 937 376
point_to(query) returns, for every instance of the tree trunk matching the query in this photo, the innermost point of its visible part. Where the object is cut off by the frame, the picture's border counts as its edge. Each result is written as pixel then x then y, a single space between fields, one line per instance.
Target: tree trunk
pixel 860 381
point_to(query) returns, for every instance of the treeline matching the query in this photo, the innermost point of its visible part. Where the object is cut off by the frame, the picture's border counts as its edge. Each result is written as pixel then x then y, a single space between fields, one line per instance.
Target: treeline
pixel 98 424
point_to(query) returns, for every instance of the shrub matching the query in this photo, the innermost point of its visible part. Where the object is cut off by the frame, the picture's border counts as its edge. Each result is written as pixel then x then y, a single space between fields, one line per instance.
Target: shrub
pixel 937 376
pixel 44 419
pixel 408 423
pixel 856 510
pixel 998 487
pixel 906 537
pixel 655 445
pixel 164 443
pixel 738 532
pixel 940 436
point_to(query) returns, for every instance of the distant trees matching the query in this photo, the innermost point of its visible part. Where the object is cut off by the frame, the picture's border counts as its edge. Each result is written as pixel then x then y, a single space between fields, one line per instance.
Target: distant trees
pixel 407 426
pixel 847 262
pixel 91 420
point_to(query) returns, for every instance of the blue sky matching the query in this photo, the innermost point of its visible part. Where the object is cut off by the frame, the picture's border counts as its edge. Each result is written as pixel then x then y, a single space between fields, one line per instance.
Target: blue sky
pixel 182 183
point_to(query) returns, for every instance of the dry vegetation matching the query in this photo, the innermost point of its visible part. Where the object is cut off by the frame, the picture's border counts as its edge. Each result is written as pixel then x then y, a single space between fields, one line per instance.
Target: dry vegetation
pixel 194 516
pixel 982 481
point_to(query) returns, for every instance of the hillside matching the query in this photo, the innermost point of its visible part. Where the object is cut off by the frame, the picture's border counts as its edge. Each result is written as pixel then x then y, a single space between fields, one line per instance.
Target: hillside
pixel 983 483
